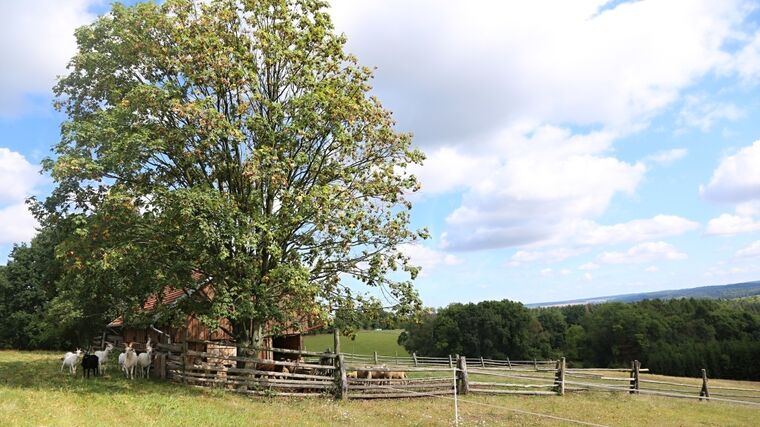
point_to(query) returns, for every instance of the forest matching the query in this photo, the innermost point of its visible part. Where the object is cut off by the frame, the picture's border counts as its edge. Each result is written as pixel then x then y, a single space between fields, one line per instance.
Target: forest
pixel 671 337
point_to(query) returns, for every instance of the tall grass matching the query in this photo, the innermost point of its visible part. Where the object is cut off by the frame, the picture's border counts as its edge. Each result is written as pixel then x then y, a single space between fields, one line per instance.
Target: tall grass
pixel 34 392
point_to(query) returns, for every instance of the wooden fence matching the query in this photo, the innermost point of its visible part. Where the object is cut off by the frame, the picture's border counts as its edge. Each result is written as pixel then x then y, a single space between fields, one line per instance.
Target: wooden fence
pixel 357 376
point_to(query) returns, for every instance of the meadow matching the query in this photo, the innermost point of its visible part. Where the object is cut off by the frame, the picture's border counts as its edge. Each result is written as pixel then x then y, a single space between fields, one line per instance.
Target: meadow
pixel 365 342
pixel 34 392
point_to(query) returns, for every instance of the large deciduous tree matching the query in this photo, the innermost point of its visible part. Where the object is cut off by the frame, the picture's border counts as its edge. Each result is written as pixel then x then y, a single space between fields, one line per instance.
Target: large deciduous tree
pixel 231 142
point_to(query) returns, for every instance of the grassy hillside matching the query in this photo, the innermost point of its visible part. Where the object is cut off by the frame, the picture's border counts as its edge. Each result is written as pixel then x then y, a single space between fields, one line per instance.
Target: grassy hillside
pixel 34 392
pixel 383 342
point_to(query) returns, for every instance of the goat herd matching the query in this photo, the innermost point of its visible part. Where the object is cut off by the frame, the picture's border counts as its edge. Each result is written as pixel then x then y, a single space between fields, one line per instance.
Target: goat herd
pixel 95 363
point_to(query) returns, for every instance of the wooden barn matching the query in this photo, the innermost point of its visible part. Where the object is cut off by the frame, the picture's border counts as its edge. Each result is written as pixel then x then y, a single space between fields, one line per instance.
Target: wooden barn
pixel 199 337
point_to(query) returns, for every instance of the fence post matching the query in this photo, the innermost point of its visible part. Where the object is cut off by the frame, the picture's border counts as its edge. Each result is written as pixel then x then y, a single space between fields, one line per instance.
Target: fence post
pixel 184 361
pixel 509 363
pixel 482 363
pixel 375 353
pixel 637 369
pixel 463 383
pixel 561 377
pixel 414 356
pixel 451 363
pixel 705 392
pixel 336 341
pixel 535 365
pixel 634 382
pixel 341 379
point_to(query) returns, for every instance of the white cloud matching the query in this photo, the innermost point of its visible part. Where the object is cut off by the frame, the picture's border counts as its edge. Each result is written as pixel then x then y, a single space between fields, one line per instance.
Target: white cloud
pixel 737 177
pixel 552 255
pixel 747 61
pixel 426 258
pixel 38 43
pixel 547 272
pixel 18 180
pixel 534 183
pixel 638 230
pixel 589 266
pixel 501 62
pixel 17 224
pixel 702 114
pixel 750 251
pixel 728 224
pixel 652 269
pixel 643 252
pixel 17 175
pixel 667 157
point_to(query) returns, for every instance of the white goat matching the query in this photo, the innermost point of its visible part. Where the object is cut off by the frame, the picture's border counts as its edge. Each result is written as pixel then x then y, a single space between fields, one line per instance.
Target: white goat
pixel 122 358
pixel 144 360
pixel 71 360
pixel 103 358
pixel 130 360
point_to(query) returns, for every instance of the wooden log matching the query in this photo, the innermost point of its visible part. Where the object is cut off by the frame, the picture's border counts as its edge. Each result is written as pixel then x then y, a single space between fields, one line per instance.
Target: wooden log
pixel 184 356
pixel 669 383
pixel 712 387
pixel 529 393
pixel 561 377
pixel 170 347
pixel 342 388
pixel 397 368
pixel 636 375
pixel 581 370
pixel 394 386
pixel 408 380
pixel 260 383
pixel 257 360
pixel 336 341
pixel 705 392
pixel 397 395
pixel 262 373
pixel 489 384
pixel 462 384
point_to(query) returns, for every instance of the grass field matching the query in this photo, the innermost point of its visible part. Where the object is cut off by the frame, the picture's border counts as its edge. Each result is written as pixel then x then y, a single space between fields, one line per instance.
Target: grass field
pixel 34 392
pixel 383 342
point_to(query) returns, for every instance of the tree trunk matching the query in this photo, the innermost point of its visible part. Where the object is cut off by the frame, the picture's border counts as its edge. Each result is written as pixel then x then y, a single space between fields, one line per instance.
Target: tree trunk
pixel 244 341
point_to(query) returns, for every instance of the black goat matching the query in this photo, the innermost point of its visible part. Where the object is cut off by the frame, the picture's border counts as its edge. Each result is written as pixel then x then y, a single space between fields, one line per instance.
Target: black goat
pixel 90 362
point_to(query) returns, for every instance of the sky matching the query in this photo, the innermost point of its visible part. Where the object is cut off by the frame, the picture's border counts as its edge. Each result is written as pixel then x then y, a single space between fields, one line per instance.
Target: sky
pixel 574 149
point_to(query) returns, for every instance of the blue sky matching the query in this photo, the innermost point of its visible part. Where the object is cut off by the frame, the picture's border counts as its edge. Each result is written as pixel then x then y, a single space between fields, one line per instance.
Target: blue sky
pixel 574 149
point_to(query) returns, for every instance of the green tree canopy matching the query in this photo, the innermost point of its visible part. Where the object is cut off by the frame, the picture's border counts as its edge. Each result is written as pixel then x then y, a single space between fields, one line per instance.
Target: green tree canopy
pixel 232 142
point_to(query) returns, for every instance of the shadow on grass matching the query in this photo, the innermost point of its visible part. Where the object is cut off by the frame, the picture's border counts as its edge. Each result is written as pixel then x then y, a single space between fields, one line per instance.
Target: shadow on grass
pixel 42 371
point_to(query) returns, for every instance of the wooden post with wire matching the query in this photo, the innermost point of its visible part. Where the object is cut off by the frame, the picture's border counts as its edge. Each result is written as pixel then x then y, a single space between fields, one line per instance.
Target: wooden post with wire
pixel 705 392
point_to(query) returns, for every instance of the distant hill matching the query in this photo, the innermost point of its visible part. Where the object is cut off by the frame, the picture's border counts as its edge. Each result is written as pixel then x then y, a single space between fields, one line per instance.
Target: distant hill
pixel 736 290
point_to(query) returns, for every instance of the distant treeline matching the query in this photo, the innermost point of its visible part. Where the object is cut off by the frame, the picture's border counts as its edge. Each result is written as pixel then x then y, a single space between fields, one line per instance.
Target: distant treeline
pixel 672 337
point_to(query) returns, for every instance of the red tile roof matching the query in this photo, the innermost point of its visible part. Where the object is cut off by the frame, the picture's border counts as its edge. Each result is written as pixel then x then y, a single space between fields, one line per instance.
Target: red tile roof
pixel 170 296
